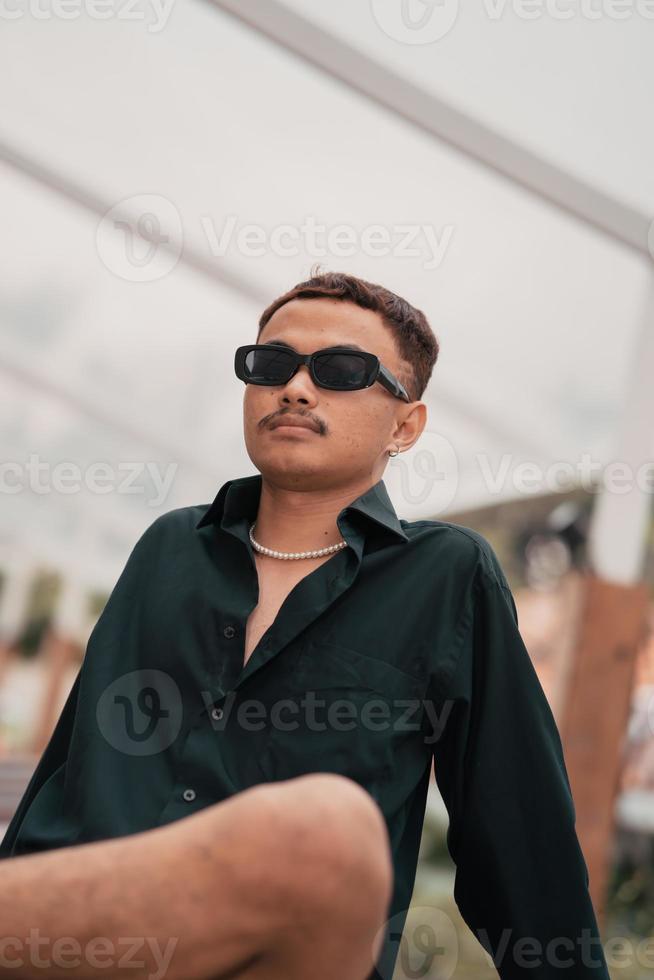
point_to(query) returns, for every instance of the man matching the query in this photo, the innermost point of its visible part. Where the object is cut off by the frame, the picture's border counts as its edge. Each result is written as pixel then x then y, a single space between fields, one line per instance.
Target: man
pixel 296 627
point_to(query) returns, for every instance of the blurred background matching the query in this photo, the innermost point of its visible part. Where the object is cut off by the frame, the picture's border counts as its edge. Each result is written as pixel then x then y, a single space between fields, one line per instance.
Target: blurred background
pixel 167 168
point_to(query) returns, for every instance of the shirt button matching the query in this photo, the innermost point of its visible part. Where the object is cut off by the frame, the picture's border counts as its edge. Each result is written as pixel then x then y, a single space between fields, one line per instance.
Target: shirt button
pixel 217 714
pixel 229 632
pixel 189 795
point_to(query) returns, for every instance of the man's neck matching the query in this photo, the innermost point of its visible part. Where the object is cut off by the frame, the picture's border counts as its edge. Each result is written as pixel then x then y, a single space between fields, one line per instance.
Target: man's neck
pixel 303 520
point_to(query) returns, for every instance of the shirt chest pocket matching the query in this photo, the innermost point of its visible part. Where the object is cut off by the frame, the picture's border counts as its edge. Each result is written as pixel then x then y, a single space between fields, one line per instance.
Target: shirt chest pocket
pixel 345 712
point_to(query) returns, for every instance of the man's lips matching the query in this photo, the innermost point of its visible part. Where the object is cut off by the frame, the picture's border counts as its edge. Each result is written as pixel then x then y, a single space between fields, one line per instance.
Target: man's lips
pixel 295 421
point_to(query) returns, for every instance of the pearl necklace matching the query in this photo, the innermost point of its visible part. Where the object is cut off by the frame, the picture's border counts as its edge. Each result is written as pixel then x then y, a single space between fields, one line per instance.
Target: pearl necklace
pixel 294 554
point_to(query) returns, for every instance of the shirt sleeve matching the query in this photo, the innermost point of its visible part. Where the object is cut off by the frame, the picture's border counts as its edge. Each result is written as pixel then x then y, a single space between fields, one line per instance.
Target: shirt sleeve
pixel 521 880
pixel 50 765
pixel 42 820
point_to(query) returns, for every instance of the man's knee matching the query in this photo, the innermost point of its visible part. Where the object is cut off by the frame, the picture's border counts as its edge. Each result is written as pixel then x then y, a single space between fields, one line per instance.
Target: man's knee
pixel 332 815
pixel 328 846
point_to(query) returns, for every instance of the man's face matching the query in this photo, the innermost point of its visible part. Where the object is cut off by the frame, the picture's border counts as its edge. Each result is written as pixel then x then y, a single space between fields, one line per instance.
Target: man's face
pixel 355 428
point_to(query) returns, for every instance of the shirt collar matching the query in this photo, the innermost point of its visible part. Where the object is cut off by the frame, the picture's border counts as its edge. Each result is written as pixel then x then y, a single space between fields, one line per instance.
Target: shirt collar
pixel 239 498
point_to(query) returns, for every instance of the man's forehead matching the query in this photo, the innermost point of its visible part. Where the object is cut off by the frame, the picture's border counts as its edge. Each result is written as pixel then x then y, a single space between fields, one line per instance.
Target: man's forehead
pixel 283 342
pixel 311 324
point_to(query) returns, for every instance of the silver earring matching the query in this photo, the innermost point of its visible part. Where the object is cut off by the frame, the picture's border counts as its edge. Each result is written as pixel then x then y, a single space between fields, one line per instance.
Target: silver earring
pixel 391 453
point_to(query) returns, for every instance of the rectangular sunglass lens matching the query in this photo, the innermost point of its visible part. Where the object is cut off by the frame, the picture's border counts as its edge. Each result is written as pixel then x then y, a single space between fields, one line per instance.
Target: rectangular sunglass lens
pixel 268 366
pixel 341 370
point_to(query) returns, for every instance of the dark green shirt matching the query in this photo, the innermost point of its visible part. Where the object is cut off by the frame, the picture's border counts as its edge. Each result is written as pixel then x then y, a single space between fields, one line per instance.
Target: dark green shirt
pixel 402 647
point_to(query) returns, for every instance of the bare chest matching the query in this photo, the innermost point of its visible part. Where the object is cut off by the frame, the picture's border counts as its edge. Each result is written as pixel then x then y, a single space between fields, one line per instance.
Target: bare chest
pixel 275 584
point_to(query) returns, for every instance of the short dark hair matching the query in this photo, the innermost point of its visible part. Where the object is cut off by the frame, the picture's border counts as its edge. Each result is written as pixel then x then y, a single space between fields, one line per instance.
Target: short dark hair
pixel 415 339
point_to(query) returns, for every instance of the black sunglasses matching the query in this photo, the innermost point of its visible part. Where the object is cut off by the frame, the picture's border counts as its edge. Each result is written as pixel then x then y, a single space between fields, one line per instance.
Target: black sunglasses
pixel 337 368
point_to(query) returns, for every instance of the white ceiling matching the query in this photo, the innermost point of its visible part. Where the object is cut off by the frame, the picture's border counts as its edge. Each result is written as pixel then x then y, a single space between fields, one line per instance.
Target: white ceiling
pixel 536 313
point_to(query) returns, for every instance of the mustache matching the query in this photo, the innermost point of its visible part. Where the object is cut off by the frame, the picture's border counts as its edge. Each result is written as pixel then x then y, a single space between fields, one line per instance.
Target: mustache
pixel 268 419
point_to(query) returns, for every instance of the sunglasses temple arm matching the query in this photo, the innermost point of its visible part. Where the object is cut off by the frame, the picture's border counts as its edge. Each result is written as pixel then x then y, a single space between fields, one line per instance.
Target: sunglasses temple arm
pixel 392 384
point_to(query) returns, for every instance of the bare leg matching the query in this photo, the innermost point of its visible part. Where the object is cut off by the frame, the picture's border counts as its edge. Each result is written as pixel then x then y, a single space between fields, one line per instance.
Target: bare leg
pixel 284 880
